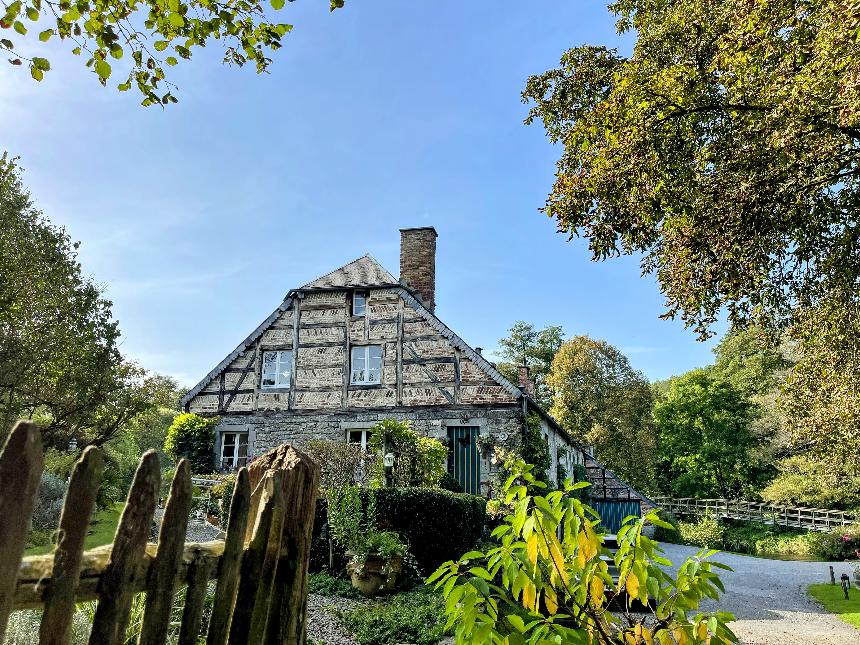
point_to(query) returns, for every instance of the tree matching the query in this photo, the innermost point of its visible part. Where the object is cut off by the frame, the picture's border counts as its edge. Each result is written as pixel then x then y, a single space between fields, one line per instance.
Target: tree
pixel 525 345
pixel 806 481
pixel 153 33
pixel 545 579
pixel 706 437
pixel 59 361
pixel 600 399
pixel 192 437
pixel 724 150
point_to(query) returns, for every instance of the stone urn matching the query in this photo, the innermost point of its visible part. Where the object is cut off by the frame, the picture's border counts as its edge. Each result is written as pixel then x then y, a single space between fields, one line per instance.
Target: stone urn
pixel 374 575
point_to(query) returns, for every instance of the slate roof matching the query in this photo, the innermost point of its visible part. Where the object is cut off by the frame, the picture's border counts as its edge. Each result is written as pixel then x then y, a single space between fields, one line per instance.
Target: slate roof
pixel 363 272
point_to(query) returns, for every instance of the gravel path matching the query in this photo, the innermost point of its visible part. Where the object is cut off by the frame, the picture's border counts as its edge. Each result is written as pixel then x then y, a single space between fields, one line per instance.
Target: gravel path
pixel 323 624
pixel 768 598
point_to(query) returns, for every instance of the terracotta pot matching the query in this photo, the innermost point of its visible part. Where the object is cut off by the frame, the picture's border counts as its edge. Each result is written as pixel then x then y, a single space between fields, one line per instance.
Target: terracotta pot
pixel 375 575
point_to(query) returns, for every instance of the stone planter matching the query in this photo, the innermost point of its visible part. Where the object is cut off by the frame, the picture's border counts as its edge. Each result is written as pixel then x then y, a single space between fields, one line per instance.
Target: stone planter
pixel 375 575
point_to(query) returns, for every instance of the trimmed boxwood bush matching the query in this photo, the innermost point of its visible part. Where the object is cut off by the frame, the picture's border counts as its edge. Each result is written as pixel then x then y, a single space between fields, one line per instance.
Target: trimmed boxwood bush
pixel 438 525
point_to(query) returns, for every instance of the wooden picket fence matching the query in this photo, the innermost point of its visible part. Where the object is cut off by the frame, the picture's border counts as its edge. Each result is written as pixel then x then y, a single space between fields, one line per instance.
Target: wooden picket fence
pixel 813 519
pixel 261 566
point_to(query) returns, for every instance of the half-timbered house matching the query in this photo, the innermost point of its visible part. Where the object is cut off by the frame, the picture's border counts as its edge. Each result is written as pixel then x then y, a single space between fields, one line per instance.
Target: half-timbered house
pixel 356 346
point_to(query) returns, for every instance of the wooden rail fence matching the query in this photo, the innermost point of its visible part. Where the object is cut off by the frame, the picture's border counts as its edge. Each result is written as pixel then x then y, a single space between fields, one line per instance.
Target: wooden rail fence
pixel 261 566
pixel 813 519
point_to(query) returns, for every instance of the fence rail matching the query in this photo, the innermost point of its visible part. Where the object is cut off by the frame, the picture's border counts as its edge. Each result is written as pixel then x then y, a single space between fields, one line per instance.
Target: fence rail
pixel 814 519
pixel 260 567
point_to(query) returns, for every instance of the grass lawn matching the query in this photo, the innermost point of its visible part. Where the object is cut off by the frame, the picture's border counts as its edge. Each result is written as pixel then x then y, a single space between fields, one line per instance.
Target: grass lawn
pixel 102 529
pixel 833 600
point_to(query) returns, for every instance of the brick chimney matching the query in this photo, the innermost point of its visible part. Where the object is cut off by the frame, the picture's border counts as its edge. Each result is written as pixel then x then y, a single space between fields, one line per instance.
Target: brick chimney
pixel 525 380
pixel 418 262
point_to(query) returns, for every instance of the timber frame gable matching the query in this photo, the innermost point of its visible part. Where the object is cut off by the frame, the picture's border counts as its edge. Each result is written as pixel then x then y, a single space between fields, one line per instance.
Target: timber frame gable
pixel 425 363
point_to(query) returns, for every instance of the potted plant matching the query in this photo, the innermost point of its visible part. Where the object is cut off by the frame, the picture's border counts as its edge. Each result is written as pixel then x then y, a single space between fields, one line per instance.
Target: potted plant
pixel 375 562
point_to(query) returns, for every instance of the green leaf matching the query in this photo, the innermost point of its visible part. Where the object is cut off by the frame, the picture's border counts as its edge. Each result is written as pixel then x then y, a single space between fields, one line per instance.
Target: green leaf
pixel 103 69
pixel 5 42
pixel 41 63
pixel 116 51
pixel 32 14
pixel 76 51
pixel 45 35
pixel 124 87
pixel 36 73
pixel 160 45
pixel 19 27
pixel 71 15
pixel 171 60
pixel 277 4
pixel 517 623
pixel 176 20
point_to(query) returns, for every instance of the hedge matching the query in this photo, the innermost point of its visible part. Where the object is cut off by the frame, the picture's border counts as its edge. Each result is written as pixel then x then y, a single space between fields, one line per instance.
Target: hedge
pixel 438 525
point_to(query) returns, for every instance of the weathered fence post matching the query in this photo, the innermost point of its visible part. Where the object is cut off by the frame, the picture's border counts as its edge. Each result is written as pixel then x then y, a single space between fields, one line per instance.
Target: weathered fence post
pixel 117 585
pixel 20 470
pixel 195 599
pixel 171 540
pixel 300 477
pixel 231 562
pixel 74 523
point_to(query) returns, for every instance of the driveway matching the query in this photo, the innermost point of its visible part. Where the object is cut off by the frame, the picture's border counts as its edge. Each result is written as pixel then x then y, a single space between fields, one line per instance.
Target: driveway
pixel 768 598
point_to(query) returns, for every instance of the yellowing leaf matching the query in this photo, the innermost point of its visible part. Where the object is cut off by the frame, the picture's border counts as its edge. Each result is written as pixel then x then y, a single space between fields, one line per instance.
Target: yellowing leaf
pixel 595 590
pixel 558 560
pixel 702 630
pixel 550 601
pixel 529 596
pixel 632 585
pixel 531 548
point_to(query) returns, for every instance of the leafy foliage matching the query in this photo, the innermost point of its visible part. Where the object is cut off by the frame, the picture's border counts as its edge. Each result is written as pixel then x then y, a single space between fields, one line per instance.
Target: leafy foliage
pixel 807 481
pixel 340 462
pixel 525 345
pixel 414 617
pixel 652 162
pixel 192 437
pixel 535 450
pixel 706 438
pixel 328 585
pixel 49 502
pixel 547 581
pixel 154 33
pixel 600 399
pixel 59 360
pixel 418 460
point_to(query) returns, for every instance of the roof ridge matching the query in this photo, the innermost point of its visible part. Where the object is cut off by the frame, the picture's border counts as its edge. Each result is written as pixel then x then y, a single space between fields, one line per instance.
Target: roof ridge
pixel 340 268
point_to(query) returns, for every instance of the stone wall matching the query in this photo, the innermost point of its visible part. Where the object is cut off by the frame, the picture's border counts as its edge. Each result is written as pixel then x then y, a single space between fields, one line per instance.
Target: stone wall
pixel 504 424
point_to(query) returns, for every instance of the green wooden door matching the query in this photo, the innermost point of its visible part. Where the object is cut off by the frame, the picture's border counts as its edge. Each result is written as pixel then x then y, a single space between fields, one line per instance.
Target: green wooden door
pixel 464 461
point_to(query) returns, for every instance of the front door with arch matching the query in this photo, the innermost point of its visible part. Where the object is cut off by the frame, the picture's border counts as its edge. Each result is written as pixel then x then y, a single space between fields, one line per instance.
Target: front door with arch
pixel 464 459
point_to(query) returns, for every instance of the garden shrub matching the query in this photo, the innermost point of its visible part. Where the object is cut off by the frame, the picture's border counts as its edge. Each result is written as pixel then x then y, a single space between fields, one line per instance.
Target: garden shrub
pixel 413 617
pixel 662 534
pixel 839 544
pixel 192 437
pixel 325 584
pixel 49 502
pixel 340 463
pixel 418 460
pixel 707 532
pixel 437 525
pixel 222 495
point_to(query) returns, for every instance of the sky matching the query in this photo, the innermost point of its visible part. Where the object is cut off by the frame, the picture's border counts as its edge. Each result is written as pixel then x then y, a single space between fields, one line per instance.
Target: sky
pixel 197 219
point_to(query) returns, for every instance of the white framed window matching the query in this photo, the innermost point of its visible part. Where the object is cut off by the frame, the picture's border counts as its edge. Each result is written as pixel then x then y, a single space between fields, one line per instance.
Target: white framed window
pixel 358 437
pixel 277 369
pixel 359 303
pixel 366 365
pixel 234 450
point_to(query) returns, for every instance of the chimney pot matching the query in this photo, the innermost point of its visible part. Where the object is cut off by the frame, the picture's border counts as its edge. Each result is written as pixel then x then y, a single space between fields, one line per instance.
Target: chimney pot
pixel 525 380
pixel 418 263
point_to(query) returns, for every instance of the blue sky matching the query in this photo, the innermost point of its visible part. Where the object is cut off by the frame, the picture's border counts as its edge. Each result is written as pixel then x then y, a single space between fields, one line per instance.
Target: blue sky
pixel 199 218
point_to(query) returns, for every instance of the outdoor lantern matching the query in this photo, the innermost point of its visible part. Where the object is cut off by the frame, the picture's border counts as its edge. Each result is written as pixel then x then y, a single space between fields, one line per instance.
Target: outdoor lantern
pixel 388 462
pixel 73 445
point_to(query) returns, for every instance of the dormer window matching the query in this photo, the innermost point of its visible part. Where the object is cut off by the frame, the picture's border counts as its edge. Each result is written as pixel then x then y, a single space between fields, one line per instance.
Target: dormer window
pixel 359 303
pixel 366 368
pixel 277 369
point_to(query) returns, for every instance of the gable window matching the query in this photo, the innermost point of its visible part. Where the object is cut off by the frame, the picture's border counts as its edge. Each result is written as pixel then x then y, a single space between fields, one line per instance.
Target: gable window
pixel 234 450
pixel 277 369
pixel 359 303
pixel 366 368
